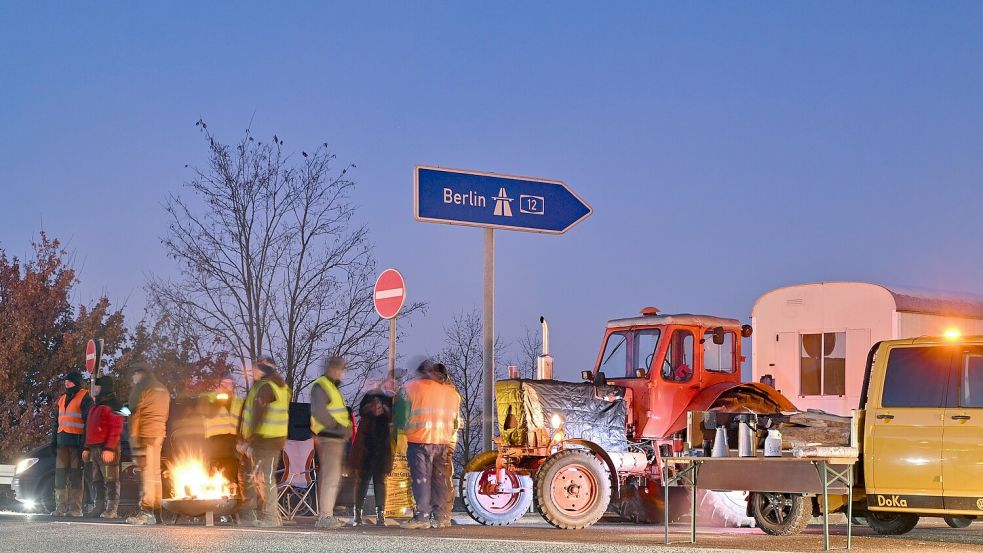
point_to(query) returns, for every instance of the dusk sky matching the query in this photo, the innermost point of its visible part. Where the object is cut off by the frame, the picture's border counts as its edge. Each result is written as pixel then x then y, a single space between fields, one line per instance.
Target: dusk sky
pixel 726 148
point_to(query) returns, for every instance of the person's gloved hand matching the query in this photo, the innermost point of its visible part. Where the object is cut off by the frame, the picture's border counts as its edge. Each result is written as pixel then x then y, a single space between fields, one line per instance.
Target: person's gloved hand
pixel 108 456
pixel 85 455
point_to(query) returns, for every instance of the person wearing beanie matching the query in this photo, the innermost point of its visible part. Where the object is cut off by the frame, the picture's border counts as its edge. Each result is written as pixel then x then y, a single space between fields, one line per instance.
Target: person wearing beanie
pixel 150 404
pixel 263 430
pixel 102 450
pixel 68 438
pixel 372 456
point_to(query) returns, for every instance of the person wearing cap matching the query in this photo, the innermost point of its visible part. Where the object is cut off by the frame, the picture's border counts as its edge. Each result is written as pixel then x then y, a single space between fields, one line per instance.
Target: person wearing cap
pixel 149 404
pixel 68 439
pixel 427 416
pixel 263 430
pixel 332 428
pixel 102 436
pixel 220 411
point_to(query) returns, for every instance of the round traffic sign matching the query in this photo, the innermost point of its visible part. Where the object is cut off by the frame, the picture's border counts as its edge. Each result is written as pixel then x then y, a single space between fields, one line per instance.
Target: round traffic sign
pixel 90 356
pixel 389 293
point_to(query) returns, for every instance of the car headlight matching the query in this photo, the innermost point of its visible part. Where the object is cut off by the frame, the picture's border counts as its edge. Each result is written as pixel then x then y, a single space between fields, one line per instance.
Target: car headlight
pixel 25 464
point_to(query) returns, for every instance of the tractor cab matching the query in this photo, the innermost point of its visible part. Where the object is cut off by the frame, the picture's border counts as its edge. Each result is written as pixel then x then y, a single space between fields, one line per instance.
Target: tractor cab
pixel 666 361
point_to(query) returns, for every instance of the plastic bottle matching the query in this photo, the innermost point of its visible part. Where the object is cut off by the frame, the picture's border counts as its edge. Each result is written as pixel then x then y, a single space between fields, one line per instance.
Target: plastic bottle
pixel 773 443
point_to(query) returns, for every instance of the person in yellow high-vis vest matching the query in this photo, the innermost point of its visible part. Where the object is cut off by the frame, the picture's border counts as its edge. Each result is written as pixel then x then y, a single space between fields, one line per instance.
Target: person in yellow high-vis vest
pixel 263 430
pixel 331 425
pixel 220 410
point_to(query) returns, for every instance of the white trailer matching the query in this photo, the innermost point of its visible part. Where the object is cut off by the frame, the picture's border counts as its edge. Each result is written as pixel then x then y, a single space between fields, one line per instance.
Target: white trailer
pixel 813 339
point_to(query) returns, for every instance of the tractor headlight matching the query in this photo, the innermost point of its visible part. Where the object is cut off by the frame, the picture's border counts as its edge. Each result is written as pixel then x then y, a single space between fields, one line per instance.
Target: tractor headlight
pixel 556 421
pixel 25 464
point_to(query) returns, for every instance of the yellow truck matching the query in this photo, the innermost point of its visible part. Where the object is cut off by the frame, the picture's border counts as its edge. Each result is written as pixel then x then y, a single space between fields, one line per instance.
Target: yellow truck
pixel 922 433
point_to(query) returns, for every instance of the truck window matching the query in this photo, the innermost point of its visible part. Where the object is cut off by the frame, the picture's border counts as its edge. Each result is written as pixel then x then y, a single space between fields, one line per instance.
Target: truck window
pixel 614 362
pixel 822 364
pixel 678 364
pixel 646 342
pixel 719 359
pixel 916 377
pixel 971 381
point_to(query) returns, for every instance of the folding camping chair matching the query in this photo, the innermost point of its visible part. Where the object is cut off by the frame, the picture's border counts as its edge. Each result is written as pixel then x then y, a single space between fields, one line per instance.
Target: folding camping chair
pixel 297 482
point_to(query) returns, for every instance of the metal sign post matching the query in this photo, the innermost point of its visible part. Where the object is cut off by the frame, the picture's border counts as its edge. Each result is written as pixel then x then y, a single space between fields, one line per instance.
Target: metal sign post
pixel 388 296
pixel 488 341
pixel 493 201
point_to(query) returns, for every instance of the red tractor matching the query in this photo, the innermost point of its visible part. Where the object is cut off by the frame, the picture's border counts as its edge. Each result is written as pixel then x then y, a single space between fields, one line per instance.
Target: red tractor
pixel 574 450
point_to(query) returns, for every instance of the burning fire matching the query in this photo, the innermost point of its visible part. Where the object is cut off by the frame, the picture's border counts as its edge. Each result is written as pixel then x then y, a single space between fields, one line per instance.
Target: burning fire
pixel 192 480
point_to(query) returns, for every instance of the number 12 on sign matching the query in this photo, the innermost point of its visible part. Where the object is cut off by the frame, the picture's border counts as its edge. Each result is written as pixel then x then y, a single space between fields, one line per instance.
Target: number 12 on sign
pixel 535 205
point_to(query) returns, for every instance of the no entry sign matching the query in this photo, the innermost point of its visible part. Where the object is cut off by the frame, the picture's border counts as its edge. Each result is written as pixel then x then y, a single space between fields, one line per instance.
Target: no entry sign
pixel 389 293
pixel 93 351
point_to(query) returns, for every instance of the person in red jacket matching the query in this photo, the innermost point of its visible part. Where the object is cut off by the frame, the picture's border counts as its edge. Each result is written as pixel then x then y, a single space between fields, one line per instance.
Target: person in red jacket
pixel 102 433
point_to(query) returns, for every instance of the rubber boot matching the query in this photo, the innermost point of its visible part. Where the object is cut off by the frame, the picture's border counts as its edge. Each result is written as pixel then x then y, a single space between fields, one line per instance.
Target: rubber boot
pixel 97 508
pixel 61 503
pixel 380 516
pixel 357 517
pixel 112 510
pixel 75 502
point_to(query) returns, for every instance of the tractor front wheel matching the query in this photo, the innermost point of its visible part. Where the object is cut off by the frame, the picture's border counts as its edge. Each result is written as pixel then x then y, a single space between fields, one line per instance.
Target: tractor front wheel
pixel 500 509
pixel 573 489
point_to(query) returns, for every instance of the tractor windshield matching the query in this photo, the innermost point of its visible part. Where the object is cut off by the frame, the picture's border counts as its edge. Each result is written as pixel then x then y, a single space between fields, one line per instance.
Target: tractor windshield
pixel 628 352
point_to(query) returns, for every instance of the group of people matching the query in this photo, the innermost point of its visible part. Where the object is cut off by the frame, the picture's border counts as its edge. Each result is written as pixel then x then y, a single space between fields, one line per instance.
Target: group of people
pixel 244 439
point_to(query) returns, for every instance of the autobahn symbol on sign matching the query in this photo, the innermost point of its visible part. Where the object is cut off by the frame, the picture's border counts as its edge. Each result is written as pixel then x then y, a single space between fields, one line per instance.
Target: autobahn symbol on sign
pixel 457 196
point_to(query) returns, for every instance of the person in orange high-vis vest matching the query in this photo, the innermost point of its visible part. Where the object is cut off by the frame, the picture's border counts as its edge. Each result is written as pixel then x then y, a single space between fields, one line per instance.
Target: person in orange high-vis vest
pixel 68 439
pixel 427 417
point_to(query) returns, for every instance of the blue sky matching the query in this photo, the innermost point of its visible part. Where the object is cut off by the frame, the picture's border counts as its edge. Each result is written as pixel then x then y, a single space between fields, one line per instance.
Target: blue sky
pixel 726 148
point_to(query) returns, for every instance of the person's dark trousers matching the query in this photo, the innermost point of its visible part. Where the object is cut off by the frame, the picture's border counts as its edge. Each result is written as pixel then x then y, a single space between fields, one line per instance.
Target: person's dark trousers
pixel 378 479
pixel 429 479
pixel 104 479
pixel 68 468
pixel 221 451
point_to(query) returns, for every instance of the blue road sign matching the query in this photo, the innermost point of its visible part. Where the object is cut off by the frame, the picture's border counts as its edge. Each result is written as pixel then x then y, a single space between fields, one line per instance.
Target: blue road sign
pixel 459 197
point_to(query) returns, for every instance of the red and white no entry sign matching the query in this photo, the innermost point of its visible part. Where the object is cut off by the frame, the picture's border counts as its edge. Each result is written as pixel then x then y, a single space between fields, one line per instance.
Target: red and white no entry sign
pixel 389 293
pixel 90 356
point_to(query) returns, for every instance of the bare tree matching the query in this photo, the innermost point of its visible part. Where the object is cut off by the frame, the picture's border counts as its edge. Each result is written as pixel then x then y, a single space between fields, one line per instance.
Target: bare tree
pixel 462 354
pixel 530 346
pixel 271 262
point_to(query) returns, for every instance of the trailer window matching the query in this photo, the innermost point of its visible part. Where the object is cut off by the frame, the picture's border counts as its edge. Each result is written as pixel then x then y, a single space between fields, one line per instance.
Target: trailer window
pixel 971 381
pixel 916 377
pixel 614 362
pixel 719 359
pixel 822 364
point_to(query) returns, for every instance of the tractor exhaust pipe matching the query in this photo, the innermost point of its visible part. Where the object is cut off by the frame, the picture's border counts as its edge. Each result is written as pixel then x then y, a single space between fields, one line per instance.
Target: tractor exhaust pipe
pixel 544 363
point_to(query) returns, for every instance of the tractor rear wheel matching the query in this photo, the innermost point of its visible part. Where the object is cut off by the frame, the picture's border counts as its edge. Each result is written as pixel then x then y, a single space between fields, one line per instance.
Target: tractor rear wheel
pixel 573 489
pixel 646 504
pixel 780 514
pixel 499 509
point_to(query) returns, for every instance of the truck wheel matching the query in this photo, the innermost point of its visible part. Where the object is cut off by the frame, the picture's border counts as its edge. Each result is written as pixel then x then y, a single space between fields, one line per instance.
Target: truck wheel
pixel 891 524
pixel 573 489
pixel 498 509
pixel 957 522
pixel 723 509
pixel 780 514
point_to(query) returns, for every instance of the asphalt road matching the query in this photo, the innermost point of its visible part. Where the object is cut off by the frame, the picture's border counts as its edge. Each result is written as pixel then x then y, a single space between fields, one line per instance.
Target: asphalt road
pixel 19 534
